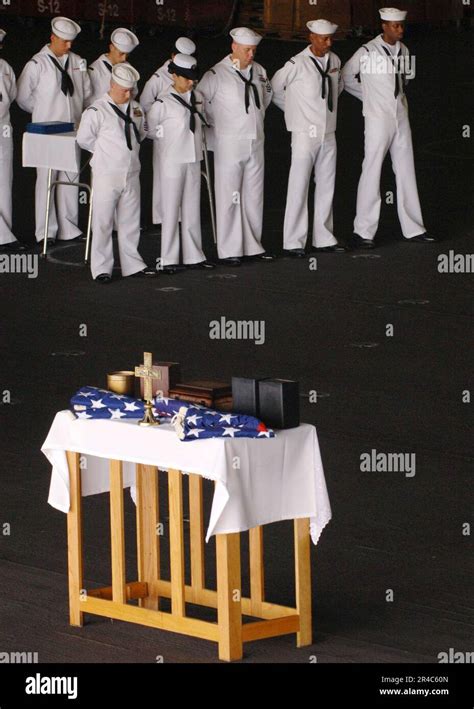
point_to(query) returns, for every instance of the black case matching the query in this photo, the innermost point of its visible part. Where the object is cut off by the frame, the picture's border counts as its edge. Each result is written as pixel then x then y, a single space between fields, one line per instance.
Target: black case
pixel 279 403
pixel 245 396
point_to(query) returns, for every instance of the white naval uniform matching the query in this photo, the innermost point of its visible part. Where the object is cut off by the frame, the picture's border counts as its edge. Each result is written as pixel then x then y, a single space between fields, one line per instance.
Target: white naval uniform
pixel 39 93
pixel 180 155
pixel 387 127
pixel 297 89
pixel 238 156
pixel 7 95
pixel 100 73
pixel 157 84
pixel 116 182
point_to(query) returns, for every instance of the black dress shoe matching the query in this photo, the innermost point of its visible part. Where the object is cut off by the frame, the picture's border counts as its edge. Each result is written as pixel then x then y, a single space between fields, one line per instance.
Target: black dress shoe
pixel 145 272
pixel 336 249
pixel 201 264
pixel 360 243
pixel 231 261
pixel 263 257
pixel 103 278
pixel 422 238
pixel 169 270
pixel 49 241
pixel 80 238
pixel 295 253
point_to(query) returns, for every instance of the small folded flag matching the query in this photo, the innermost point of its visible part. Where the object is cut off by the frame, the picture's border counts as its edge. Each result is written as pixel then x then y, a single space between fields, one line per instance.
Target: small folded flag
pixel 93 403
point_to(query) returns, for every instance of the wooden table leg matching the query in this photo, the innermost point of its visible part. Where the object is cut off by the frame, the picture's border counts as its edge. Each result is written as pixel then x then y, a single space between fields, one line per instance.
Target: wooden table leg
pixel 117 532
pixel 175 487
pixel 74 540
pixel 303 581
pixel 257 576
pixel 148 541
pixel 196 523
pixel 229 596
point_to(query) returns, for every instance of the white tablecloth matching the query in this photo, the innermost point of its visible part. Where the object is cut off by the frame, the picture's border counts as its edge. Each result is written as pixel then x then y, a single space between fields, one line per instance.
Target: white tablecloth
pixel 58 152
pixel 278 478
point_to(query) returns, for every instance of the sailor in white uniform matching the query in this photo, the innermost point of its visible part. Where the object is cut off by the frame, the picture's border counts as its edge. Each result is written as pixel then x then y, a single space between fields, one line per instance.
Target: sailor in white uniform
pixel 7 95
pixel 55 86
pixel 307 89
pixel 112 129
pixel 122 43
pixel 377 74
pixel 159 82
pixel 175 123
pixel 236 93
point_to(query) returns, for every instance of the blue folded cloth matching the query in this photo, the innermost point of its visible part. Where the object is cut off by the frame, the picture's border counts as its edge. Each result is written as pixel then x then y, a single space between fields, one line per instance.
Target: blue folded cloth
pixel 191 421
pixel 50 127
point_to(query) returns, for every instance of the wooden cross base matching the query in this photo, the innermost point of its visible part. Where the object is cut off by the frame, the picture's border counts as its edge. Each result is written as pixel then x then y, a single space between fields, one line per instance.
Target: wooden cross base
pixel 229 631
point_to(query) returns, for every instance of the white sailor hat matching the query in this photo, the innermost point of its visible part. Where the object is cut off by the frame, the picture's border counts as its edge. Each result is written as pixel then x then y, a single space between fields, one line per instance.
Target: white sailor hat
pixel 184 45
pixel 321 27
pixel 124 40
pixel 391 14
pixel 243 35
pixel 65 28
pixel 184 65
pixel 125 75
pixel 2 35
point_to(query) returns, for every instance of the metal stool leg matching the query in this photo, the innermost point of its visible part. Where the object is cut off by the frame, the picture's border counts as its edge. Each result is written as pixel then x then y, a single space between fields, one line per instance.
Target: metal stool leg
pixel 46 220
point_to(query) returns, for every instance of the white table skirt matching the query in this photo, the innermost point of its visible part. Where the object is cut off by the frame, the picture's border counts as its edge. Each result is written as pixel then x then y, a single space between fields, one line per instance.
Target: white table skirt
pixel 57 152
pixel 279 478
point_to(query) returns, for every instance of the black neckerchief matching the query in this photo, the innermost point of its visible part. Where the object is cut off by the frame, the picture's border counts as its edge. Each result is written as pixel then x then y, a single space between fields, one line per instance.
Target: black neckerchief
pixel 396 63
pixel 248 83
pixel 192 109
pixel 106 63
pixel 129 123
pixel 325 76
pixel 67 85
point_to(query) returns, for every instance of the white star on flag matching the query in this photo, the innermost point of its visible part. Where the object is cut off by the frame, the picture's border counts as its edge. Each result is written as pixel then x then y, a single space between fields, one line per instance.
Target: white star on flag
pixel 193 419
pixel 265 434
pixel 226 418
pixel 97 404
pixel 116 413
pixel 229 431
pixel 87 393
pixel 83 415
pixel 117 396
pixel 196 432
pixel 131 406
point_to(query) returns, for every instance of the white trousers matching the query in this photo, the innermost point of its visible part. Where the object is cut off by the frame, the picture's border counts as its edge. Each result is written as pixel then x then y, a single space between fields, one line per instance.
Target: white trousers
pixel 238 185
pixel 307 156
pixel 383 135
pixel 6 179
pixel 181 189
pixel 116 194
pixel 64 210
pixel 156 196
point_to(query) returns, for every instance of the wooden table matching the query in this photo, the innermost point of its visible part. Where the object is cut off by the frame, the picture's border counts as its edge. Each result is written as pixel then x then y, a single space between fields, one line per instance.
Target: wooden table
pixel 229 631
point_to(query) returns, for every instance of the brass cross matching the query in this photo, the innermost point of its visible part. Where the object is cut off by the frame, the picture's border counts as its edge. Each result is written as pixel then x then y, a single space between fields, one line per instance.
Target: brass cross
pixel 148 372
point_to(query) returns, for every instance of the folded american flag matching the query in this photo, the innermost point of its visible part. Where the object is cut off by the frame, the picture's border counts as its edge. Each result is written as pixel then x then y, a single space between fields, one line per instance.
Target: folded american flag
pixel 191 421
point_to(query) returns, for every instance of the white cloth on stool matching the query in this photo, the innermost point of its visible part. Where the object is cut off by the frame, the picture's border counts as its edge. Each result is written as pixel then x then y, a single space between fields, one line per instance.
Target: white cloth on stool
pixel 310 155
pixel 279 478
pixel 181 189
pixel 116 194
